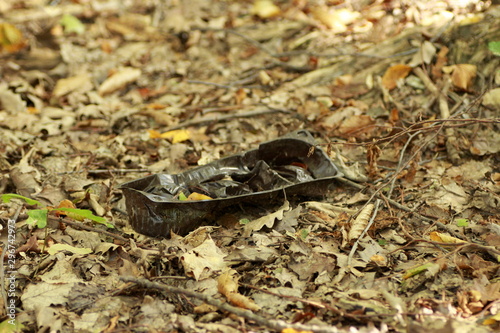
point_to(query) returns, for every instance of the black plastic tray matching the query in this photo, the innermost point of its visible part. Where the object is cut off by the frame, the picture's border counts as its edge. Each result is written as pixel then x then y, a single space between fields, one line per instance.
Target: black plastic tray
pixel 290 165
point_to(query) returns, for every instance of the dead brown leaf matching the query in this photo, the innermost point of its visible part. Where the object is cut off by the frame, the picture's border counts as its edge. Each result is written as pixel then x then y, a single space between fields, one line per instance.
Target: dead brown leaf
pixel 393 74
pixel 462 75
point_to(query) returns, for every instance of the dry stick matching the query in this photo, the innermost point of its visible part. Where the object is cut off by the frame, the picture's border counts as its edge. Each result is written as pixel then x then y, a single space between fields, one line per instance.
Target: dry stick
pixel 421 240
pixel 319 304
pixel 451 139
pixel 204 121
pixel 459 246
pixel 274 324
pixel 400 162
pixel 402 167
pixel 98 171
pixel 260 46
pixel 393 181
pixel 218 85
pixel 380 195
pixel 223 108
pixel 419 127
pixel 236 84
pixel 116 171
pixel 426 81
pixel 269 52
pixel 443 108
pixel 84 227
pixel 411 136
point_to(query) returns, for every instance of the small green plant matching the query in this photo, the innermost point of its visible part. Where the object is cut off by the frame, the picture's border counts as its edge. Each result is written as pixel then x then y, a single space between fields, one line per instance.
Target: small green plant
pixel 494 47
pixel 38 217
pixel 244 221
pixel 382 242
pixel 462 222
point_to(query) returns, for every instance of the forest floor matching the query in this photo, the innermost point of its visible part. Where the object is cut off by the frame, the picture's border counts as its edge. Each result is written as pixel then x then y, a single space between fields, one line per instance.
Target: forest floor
pixel 403 97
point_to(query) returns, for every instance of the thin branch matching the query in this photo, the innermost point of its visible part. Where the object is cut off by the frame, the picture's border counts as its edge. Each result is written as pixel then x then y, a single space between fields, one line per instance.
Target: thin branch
pixel 99 171
pixel 459 247
pixel 273 54
pixel 218 85
pixel 400 166
pixel 377 193
pixel 85 227
pixel 274 324
pixel 209 120
pixel 421 126
pixel 319 304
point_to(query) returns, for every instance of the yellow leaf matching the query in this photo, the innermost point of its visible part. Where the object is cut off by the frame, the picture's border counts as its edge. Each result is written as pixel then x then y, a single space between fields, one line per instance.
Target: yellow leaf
pixel 154 134
pixel 265 9
pixel 293 330
pixel 32 110
pixel 176 135
pixel 492 320
pixel 11 39
pixel 329 19
pixel 198 196
pixel 444 238
pixel 471 19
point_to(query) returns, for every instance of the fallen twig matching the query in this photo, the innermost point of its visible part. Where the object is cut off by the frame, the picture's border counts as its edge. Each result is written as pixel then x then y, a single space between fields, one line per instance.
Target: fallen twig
pixel 99 171
pixel 269 52
pixel 377 193
pixel 84 227
pixel 459 247
pixel 208 120
pixel 423 126
pixel 273 324
pixel 319 305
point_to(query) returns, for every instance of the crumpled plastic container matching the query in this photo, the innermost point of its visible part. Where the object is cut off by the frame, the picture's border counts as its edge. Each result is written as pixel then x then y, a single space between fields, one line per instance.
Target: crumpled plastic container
pixel 287 166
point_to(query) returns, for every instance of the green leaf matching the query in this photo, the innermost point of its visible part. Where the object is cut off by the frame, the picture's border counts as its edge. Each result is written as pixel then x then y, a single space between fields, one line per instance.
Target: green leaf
pixel 244 221
pixel 382 242
pixel 420 269
pixel 9 196
pixel 494 47
pixel 462 222
pixel 80 214
pixel 303 233
pixel 37 217
pixel 182 197
pixel 11 326
pixel 72 24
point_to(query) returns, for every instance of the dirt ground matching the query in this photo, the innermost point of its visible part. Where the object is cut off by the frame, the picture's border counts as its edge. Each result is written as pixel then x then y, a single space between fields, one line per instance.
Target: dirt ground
pixel 401 99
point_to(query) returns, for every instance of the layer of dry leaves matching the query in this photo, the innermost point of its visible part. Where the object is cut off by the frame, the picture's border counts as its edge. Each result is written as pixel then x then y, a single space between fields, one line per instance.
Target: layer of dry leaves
pixel 403 95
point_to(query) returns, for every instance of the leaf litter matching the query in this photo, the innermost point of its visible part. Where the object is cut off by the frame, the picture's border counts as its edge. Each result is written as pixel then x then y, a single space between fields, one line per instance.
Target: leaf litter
pixel 403 97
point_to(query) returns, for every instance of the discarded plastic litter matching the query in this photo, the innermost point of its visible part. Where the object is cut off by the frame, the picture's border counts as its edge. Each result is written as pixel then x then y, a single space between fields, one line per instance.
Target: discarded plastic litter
pixel 289 165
